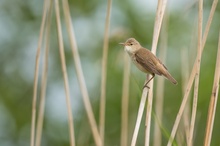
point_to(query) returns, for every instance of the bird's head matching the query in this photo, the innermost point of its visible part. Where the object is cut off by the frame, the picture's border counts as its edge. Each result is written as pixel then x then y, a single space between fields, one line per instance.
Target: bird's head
pixel 131 45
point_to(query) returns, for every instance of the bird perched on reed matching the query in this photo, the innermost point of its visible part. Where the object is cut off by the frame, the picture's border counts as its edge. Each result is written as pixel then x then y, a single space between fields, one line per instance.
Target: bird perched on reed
pixel 146 61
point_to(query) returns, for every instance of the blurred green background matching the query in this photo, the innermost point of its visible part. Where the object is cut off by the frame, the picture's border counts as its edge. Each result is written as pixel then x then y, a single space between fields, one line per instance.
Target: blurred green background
pixel 19 31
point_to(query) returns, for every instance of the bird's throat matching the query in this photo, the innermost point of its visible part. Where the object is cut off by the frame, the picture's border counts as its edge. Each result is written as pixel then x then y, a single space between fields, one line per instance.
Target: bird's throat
pixel 129 49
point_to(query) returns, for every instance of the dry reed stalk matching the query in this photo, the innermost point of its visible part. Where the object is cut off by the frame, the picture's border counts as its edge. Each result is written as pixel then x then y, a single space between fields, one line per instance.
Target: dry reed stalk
pixel 139 117
pixel 206 31
pixel 160 85
pixel 185 78
pixel 80 76
pixel 104 74
pixel 178 117
pixel 158 21
pixel 44 78
pixel 196 84
pixel 36 73
pixel 125 101
pixel 192 75
pixel 213 100
pixel 148 115
pixel 157 26
pixel 65 76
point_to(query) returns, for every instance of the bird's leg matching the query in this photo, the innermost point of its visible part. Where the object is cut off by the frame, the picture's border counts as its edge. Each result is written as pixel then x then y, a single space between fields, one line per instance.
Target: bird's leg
pixel 145 85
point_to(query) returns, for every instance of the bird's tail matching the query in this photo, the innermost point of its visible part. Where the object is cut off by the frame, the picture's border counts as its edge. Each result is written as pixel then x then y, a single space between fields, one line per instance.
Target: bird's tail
pixel 170 78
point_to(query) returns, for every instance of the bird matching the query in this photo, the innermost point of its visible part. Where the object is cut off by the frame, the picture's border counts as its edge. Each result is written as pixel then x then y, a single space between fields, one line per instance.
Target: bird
pixel 146 61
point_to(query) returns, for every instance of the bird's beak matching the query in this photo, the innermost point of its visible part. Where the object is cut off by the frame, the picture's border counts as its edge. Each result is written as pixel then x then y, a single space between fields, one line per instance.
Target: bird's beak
pixel 122 44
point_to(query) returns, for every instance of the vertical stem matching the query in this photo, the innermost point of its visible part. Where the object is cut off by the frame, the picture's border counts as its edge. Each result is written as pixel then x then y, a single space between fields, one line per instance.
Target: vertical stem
pixel 34 102
pixel 104 74
pixel 196 86
pixel 139 117
pixel 125 101
pixel 158 21
pixel 65 76
pixel 206 31
pixel 160 85
pixel 44 78
pixel 213 100
pixel 148 115
pixel 185 77
pixel 80 76
pixel 192 75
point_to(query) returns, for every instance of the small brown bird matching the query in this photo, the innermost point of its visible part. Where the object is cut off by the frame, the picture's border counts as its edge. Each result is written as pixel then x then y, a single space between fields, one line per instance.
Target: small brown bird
pixel 146 61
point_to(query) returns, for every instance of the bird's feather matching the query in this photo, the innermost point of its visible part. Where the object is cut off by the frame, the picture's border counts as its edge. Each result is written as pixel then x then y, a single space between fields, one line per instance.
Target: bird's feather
pixel 149 63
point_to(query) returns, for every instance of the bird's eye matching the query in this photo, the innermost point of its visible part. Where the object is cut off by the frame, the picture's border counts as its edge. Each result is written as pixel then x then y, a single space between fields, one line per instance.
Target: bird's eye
pixel 131 44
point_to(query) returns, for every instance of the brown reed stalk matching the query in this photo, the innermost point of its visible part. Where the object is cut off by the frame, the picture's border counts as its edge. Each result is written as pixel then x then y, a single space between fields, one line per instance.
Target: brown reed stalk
pixel 196 84
pixel 139 117
pixel 206 31
pixel 104 74
pixel 125 102
pixel 158 22
pixel 148 114
pixel 213 100
pixel 36 73
pixel 44 78
pixel 185 78
pixel 80 77
pixel 65 76
pixel 192 75
pixel 159 98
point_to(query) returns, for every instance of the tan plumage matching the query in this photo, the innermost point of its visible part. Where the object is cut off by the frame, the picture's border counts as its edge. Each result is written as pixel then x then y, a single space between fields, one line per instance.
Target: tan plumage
pixel 146 61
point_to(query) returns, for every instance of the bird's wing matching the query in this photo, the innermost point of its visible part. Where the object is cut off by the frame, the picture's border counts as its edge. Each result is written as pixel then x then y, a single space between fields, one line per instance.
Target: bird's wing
pixel 148 60
pixel 162 64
